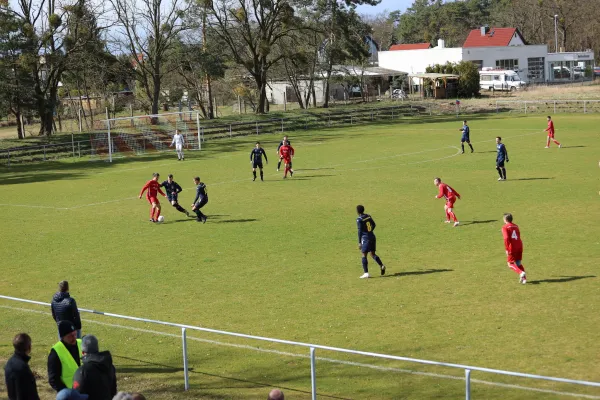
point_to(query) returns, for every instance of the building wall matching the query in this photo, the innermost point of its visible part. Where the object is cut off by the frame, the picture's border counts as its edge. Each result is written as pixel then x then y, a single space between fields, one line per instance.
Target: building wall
pixel 415 61
pixel 490 55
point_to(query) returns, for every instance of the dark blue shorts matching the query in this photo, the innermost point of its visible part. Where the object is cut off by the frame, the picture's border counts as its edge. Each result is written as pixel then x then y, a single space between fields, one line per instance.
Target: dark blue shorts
pixel 257 165
pixel 465 138
pixel 172 198
pixel 368 244
pixel 500 164
pixel 201 203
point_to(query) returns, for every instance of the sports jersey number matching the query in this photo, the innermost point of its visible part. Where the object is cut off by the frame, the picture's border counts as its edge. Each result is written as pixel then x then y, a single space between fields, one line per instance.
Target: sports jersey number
pixel 514 235
pixel 369 227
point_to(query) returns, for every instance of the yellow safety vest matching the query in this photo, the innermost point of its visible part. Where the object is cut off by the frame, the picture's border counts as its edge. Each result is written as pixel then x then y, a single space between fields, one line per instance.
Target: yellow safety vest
pixel 69 366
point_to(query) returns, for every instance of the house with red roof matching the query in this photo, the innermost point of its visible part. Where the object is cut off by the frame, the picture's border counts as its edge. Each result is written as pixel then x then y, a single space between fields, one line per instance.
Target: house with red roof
pixel 502 48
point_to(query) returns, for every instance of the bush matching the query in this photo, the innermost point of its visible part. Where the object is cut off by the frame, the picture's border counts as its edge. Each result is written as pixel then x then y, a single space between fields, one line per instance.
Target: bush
pixel 468 81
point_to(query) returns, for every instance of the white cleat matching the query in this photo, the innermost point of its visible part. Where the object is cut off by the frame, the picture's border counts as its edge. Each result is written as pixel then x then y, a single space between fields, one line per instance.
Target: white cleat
pixel 365 275
pixel 447 221
pixel 456 224
pixel 501 179
pixel 559 146
pixel 547 147
pixel 523 278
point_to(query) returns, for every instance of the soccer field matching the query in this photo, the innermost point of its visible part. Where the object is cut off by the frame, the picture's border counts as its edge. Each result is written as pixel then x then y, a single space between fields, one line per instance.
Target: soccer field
pixel 279 258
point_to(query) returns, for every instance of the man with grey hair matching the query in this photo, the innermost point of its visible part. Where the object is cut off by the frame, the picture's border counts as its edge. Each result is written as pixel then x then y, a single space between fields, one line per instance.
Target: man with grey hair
pixel 275 394
pixel 97 376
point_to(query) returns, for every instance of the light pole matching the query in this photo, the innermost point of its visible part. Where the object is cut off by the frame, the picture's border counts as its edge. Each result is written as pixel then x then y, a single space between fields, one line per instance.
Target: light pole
pixel 556 33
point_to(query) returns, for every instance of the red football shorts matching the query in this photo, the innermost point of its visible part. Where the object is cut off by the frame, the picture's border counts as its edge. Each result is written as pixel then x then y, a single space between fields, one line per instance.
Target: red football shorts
pixel 551 135
pixel 450 202
pixel 514 256
pixel 287 160
pixel 153 200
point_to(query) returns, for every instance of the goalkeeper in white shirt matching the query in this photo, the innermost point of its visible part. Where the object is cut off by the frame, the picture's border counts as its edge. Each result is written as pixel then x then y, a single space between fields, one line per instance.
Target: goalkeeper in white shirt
pixel 178 142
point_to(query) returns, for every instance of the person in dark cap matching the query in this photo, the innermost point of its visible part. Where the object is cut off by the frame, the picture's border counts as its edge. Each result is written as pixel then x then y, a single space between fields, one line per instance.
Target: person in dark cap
pixel 64 307
pixel 70 394
pixel 20 381
pixel 64 358
pixel 96 376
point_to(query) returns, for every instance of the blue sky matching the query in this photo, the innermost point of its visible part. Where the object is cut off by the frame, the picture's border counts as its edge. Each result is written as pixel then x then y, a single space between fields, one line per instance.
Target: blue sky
pixel 390 5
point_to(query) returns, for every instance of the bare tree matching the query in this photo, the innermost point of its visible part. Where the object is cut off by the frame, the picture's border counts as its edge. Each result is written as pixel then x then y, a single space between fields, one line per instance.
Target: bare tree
pixel 147 32
pixel 252 29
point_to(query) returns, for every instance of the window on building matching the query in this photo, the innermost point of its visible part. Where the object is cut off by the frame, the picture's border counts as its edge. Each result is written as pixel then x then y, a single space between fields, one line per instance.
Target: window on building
pixel 485 78
pixel 478 64
pixel 508 64
pixel 535 68
pixel 497 78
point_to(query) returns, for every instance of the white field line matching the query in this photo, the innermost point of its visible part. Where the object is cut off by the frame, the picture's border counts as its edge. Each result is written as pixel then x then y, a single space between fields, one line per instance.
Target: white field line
pixel 331 360
pixel 243 180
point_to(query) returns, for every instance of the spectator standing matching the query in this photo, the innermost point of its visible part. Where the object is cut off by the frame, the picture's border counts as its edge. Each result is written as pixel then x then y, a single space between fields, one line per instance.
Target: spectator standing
pixel 64 357
pixel 20 382
pixel 64 307
pixel 97 376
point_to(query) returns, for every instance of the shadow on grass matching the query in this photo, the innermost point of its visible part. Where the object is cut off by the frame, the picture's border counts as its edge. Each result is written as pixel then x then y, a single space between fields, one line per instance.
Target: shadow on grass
pixel 483 221
pixel 571 147
pixel 562 279
pixel 532 179
pixel 420 272
pixel 232 221
pixel 148 367
pixel 193 218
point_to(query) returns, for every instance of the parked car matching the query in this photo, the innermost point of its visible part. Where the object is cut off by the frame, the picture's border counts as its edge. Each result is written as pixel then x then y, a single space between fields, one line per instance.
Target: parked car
pixel 597 71
pixel 578 72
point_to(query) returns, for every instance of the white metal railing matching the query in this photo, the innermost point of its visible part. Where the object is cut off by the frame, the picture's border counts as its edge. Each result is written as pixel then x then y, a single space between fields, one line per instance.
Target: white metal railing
pixel 525 106
pixel 313 347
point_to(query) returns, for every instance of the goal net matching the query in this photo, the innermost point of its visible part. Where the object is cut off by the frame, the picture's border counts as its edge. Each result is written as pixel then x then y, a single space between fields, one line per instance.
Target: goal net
pixel 137 135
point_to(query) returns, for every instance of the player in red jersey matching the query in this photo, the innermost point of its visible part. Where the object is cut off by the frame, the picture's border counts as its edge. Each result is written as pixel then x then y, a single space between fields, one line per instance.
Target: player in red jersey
pixel 286 152
pixel 550 130
pixel 514 247
pixel 450 195
pixel 153 188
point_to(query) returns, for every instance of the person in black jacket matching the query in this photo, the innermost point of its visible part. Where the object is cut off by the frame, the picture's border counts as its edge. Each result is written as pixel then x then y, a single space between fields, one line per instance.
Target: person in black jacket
pixel 64 307
pixel 96 376
pixel 20 382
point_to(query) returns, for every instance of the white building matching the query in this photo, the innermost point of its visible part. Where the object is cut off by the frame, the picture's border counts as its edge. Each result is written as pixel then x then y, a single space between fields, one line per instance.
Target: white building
pixel 502 48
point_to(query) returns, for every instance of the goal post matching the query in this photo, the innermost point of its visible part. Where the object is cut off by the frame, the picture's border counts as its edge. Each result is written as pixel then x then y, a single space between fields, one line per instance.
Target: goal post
pixel 144 134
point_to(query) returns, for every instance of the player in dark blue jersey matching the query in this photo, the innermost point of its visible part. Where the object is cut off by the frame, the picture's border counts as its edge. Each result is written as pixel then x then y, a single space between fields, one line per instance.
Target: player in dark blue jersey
pixel 256 156
pixel 284 141
pixel 466 132
pixel 200 200
pixel 367 242
pixel 173 189
pixel 501 157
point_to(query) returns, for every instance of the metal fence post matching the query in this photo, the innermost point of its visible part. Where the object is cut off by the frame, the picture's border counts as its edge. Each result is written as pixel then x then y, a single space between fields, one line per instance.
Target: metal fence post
pixel 79 148
pixel 44 147
pixel 198 130
pixel 109 141
pixel 554 106
pixel 257 128
pixel 8 158
pixel 525 106
pixel 313 374
pixel 467 384
pixel 185 360
pixel 584 107
pixel 497 109
pixel 229 131
pixel 281 124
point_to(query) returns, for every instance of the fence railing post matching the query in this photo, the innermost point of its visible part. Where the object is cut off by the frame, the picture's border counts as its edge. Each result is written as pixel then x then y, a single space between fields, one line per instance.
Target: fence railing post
pixel 584 107
pixel 44 152
pixel 313 374
pixel 198 130
pixel 554 106
pixel 185 360
pixel 467 384
pixel 79 148
pixel 257 128
pixel 8 158
pixel 281 124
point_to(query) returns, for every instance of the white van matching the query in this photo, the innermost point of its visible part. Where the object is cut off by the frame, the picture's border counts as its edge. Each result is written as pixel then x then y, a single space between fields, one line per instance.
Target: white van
pixel 499 79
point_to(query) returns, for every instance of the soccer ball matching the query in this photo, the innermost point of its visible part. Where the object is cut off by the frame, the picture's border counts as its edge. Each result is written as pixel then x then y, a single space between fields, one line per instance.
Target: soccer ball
pixel 161 219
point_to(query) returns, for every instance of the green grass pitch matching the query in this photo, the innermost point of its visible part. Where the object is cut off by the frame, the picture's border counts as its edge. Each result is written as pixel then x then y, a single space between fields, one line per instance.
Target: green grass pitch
pixel 279 259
